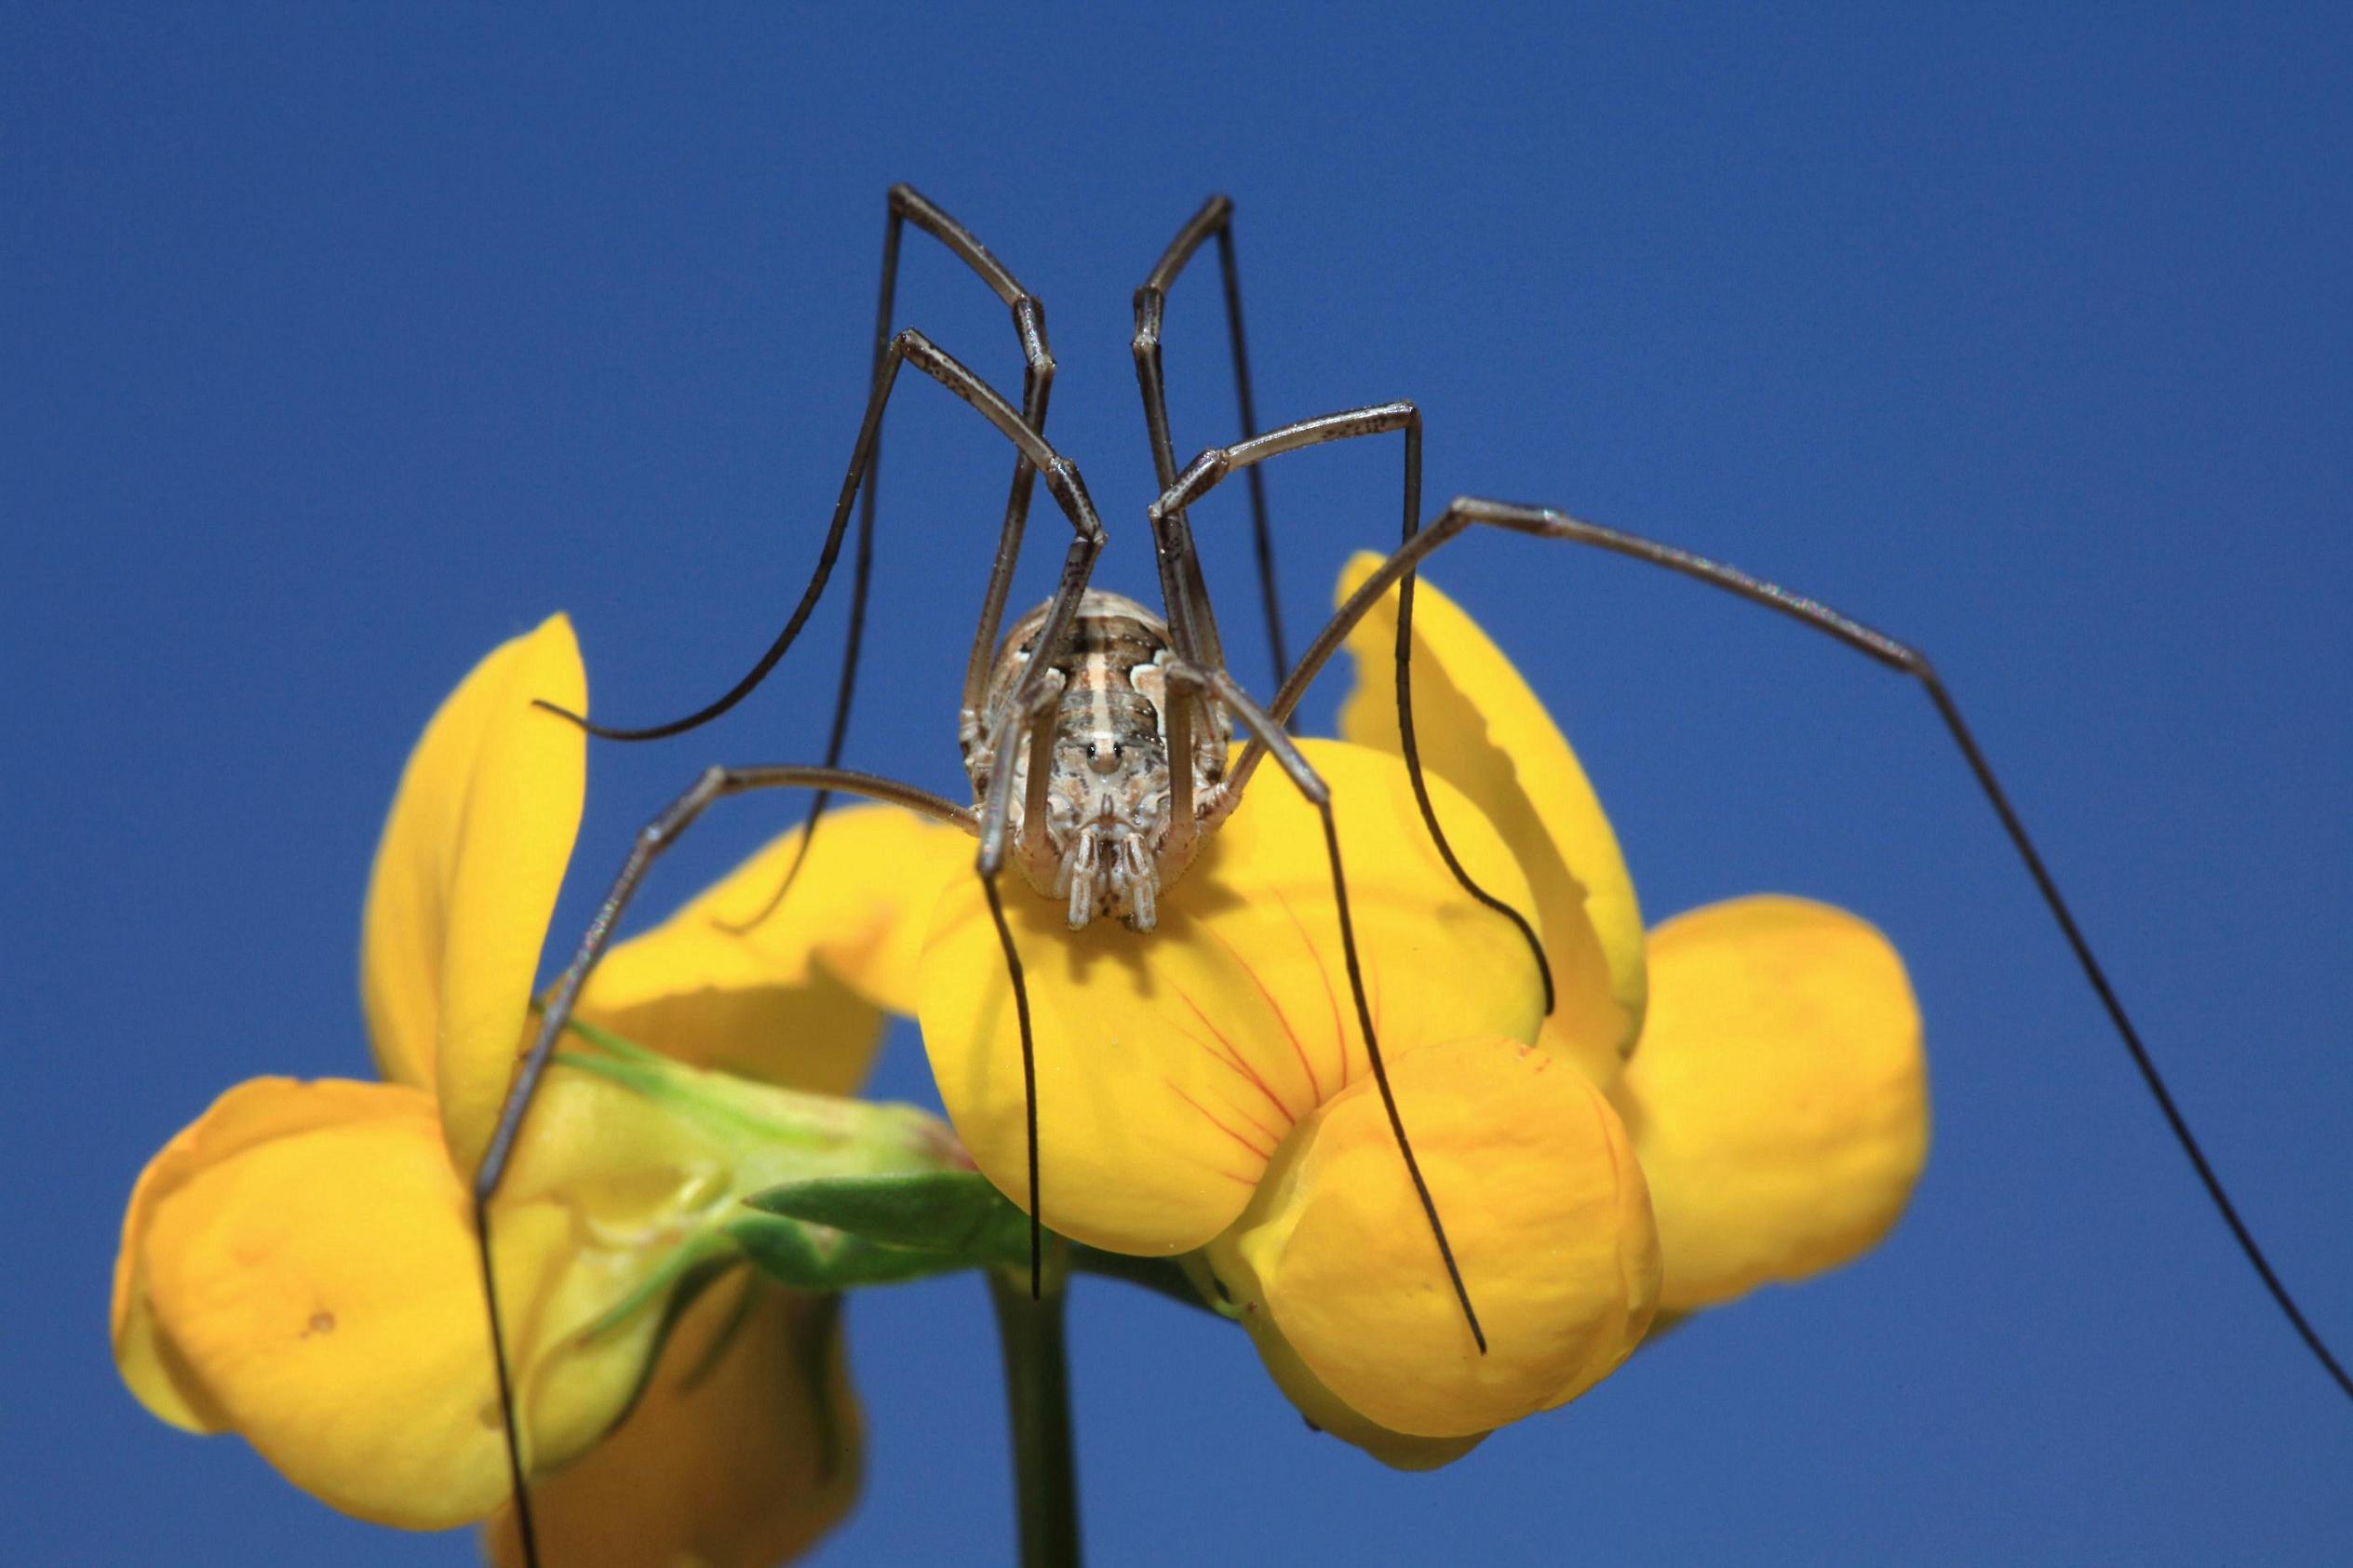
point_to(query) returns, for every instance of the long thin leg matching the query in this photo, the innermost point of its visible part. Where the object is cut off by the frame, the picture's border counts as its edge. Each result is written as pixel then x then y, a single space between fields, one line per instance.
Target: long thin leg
pixel 1218 463
pixel 845 692
pixel 905 205
pixel 1063 482
pixel 1028 699
pixel 1887 650
pixel 1266 732
pixel 1037 385
pixel 1215 217
pixel 910 347
pixel 1029 318
pixel 1014 971
pixel 1030 704
pixel 656 837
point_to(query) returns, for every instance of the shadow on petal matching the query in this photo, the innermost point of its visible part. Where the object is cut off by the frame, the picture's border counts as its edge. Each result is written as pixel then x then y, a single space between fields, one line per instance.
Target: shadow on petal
pixel 1543 1205
pixel 466 876
pixel 743 1449
pixel 794 996
pixel 1327 1412
pixel 1481 728
pixel 1170 1065
pixel 310 1263
pixel 251 1113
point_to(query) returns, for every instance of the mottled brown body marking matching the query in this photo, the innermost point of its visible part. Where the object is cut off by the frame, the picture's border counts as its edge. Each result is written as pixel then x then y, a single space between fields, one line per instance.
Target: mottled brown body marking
pixel 1104 847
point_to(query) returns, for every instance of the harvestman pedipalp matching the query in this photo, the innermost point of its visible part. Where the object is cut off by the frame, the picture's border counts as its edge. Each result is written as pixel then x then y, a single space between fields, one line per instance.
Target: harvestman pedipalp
pixel 1151 766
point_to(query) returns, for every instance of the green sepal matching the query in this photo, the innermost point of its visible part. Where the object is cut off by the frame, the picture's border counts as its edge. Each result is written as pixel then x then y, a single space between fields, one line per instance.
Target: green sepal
pixel 956 1213
pixel 812 1258
pixel 705 1253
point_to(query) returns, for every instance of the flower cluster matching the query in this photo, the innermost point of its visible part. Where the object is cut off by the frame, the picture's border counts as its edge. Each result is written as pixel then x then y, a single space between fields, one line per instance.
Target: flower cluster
pixel 299 1265
pixel 1733 1098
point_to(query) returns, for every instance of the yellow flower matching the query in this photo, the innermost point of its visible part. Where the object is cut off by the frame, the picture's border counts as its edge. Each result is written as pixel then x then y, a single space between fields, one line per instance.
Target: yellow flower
pixel 1206 1089
pixel 1779 1097
pixel 299 1265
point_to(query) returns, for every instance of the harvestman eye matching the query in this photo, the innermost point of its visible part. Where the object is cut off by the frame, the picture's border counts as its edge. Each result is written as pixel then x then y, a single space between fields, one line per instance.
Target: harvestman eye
pixel 1152 692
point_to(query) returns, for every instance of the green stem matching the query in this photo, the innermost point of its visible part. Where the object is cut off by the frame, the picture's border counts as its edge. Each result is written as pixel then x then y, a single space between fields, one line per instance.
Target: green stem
pixel 1038 1399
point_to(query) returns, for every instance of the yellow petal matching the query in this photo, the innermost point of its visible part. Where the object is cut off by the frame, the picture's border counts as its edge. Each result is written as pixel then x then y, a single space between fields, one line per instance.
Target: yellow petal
pixel 1481 727
pixel 1780 1100
pixel 465 879
pixel 743 1449
pixel 1327 1412
pixel 300 1266
pixel 794 999
pixel 254 1112
pixel 1171 1065
pixel 1543 1206
pixel 313 1269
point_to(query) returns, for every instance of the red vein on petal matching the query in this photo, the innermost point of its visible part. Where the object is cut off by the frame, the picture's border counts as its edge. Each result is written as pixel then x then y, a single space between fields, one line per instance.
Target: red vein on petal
pixel 1324 972
pixel 1314 1085
pixel 1211 1118
pixel 1272 1135
pixel 1234 1060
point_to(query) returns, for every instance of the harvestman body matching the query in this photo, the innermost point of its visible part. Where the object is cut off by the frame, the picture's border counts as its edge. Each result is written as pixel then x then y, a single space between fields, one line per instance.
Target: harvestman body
pixel 1096 829
pixel 1096 737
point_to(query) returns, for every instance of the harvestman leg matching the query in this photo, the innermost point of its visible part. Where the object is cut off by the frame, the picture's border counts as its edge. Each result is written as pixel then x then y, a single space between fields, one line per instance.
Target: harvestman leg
pixel 1037 382
pixel 1268 733
pixel 1180 574
pixel 906 204
pixel 654 838
pixel 1197 664
pixel 1029 696
pixel 906 347
pixel 1202 475
pixel 1546 524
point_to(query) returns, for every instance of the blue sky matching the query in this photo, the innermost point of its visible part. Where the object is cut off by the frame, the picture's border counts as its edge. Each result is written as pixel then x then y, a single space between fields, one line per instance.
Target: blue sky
pixel 342 346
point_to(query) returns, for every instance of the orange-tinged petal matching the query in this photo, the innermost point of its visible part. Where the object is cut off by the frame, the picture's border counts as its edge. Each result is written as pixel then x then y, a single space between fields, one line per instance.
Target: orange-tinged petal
pixel 254 1112
pixel 465 879
pixel 1327 1412
pixel 1324 1411
pixel 743 1449
pixel 794 998
pixel 300 1266
pixel 1780 1100
pixel 1543 1206
pixel 1170 1065
pixel 320 1285
pixel 1480 726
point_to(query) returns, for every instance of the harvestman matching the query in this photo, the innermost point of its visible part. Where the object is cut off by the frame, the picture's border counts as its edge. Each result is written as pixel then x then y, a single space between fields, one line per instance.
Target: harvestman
pixel 1095 739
